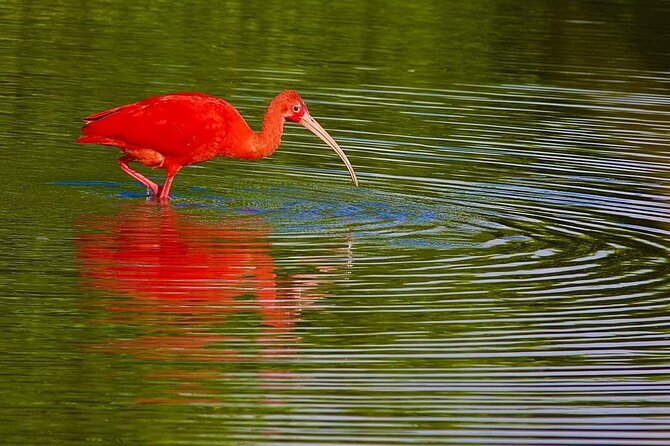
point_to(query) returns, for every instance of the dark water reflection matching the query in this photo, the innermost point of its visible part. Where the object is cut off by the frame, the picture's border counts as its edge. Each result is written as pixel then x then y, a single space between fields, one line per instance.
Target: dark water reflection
pixel 500 277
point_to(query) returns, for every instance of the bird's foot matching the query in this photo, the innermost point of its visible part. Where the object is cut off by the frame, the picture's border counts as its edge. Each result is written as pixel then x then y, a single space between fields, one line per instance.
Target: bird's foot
pixel 161 195
pixel 158 199
pixel 153 195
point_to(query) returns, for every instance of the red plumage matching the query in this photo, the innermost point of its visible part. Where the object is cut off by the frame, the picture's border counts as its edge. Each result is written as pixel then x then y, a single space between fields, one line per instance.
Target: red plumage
pixel 176 130
pixel 184 128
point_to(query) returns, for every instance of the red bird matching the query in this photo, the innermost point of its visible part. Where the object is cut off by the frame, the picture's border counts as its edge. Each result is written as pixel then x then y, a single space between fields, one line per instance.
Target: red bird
pixel 176 130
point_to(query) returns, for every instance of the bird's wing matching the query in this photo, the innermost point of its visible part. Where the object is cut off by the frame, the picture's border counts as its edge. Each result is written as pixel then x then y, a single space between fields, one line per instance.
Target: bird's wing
pixel 172 125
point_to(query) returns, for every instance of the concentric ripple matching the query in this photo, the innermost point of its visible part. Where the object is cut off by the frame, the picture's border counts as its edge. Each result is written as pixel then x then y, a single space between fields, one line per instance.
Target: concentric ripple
pixel 500 277
pixel 497 280
pixel 508 280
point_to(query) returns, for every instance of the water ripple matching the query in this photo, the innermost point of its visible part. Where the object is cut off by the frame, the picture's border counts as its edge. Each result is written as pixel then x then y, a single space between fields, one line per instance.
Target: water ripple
pixel 508 258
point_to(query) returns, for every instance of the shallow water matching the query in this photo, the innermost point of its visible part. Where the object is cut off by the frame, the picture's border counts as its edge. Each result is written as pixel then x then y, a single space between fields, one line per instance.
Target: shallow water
pixel 500 277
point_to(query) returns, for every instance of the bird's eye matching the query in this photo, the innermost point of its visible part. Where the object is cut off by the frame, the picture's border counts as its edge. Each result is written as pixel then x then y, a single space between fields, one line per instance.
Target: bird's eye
pixel 296 108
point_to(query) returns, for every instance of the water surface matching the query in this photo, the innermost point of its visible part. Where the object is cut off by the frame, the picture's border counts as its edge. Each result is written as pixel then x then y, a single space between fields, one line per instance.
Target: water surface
pixel 500 277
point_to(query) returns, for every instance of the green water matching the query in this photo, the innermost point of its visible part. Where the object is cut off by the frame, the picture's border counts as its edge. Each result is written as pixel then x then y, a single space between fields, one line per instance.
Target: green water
pixel 500 277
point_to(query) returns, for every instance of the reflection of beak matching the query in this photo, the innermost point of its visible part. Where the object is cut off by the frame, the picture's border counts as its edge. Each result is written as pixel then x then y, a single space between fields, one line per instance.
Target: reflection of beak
pixel 310 124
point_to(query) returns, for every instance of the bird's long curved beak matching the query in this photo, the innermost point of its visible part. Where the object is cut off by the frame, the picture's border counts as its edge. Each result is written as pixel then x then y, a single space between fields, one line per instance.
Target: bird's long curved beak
pixel 310 124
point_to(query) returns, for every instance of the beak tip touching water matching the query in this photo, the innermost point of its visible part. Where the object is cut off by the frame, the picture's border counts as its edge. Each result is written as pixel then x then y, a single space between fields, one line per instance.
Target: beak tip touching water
pixel 310 124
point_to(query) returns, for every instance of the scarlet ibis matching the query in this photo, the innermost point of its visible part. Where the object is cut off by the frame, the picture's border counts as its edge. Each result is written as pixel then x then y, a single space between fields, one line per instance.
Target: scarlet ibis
pixel 175 130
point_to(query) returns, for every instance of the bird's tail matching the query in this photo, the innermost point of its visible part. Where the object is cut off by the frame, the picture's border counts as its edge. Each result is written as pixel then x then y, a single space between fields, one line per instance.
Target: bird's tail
pixel 102 114
pixel 94 139
pixel 86 140
pixel 89 136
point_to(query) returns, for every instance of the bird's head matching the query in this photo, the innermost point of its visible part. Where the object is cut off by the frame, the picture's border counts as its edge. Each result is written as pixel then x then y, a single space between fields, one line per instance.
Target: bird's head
pixel 293 109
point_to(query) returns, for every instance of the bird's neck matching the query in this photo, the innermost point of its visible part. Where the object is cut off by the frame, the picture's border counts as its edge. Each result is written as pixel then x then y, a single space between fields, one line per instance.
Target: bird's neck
pixel 269 138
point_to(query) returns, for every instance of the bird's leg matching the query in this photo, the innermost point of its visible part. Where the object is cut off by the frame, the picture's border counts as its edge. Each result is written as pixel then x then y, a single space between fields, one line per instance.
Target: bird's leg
pixel 165 189
pixel 123 163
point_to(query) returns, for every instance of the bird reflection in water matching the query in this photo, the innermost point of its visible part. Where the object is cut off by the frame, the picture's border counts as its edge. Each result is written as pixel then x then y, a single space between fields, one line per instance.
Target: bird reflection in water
pixel 181 279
